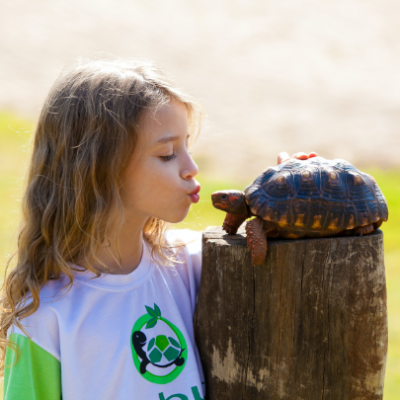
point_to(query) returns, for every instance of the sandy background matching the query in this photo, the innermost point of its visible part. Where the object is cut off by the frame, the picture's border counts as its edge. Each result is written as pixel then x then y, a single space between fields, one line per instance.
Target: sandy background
pixel 273 75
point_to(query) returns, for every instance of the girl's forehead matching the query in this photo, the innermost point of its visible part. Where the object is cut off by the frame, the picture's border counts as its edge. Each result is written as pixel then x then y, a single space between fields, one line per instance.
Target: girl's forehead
pixel 169 122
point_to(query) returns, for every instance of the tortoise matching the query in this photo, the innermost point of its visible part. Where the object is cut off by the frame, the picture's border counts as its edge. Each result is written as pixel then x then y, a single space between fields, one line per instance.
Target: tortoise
pixel 303 198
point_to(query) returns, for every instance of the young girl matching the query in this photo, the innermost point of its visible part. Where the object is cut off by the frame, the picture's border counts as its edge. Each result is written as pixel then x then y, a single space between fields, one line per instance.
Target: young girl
pixel 101 301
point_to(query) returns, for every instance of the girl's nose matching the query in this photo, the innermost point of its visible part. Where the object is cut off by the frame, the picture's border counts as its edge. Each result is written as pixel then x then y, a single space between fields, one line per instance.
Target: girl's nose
pixel 190 170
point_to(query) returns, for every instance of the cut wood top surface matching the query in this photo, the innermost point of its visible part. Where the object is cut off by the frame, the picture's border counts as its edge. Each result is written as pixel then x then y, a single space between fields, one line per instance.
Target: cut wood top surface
pixel 215 234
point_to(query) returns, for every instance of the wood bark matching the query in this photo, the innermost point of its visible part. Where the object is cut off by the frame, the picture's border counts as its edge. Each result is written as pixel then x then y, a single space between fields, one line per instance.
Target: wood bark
pixel 308 324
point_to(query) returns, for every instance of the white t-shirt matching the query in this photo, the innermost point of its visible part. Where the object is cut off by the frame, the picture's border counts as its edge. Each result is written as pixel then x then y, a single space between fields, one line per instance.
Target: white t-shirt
pixel 117 337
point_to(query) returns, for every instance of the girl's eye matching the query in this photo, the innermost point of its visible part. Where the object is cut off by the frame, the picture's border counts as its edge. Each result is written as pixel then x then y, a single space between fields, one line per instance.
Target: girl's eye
pixel 168 158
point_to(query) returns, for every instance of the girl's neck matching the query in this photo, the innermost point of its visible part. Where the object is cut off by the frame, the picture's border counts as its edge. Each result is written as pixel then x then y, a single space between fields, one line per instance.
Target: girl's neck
pixel 130 248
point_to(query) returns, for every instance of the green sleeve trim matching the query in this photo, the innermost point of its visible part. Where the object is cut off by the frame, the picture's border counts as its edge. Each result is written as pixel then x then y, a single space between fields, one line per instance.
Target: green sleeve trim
pixel 35 376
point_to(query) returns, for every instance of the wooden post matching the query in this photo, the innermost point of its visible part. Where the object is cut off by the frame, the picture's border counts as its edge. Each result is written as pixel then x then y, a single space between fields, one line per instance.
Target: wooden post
pixel 310 323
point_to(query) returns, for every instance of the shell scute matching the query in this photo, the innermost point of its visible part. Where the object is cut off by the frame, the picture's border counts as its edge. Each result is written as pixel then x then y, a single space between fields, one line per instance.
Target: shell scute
pixel 269 190
pixel 335 218
pixel 333 190
pixel 317 216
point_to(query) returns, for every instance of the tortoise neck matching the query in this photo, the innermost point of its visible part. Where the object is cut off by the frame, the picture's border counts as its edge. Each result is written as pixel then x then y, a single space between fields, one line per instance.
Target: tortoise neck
pixel 248 211
pixel 244 209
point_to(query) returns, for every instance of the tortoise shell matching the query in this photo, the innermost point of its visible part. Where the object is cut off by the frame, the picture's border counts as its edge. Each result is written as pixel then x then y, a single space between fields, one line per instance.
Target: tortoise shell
pixel 316 197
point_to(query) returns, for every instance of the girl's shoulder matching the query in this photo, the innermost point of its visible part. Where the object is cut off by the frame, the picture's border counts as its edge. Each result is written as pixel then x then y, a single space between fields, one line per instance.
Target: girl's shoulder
pixel 41 327
pixel 191 239
pixel 190 270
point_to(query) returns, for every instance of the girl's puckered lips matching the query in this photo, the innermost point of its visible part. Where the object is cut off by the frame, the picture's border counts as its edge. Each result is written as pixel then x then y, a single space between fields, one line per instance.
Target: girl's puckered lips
pixel 194 195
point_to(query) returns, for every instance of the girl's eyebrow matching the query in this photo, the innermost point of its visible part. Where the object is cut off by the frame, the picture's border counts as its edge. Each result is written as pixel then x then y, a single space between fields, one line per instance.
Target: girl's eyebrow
pixel 169 139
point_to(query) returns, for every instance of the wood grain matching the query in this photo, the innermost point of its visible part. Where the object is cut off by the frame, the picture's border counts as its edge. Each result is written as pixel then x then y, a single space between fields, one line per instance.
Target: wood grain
pixel 310 323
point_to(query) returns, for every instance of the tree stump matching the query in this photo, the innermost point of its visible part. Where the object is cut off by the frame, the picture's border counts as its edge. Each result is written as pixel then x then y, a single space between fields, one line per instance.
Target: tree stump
pixel 310 323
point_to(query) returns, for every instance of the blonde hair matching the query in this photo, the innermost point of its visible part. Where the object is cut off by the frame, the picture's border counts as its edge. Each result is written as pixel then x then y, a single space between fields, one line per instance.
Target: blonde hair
pixel 86 133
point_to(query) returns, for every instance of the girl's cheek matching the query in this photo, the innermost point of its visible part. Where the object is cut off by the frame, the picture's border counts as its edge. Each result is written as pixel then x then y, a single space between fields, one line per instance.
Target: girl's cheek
pixel 164 172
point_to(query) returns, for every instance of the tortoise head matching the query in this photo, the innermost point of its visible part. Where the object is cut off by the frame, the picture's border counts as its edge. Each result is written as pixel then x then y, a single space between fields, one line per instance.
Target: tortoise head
pixel 139 337
pixel 230 201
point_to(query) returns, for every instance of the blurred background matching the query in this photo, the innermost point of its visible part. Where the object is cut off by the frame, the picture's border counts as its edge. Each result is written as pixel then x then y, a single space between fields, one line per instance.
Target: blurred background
pixel 273 75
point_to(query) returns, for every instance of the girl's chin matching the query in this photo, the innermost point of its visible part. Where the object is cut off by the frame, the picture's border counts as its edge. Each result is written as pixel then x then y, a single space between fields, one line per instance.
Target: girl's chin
pixel 179 217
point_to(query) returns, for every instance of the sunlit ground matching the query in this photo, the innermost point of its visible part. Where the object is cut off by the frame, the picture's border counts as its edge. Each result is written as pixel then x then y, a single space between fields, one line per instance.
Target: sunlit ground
pixel 15 134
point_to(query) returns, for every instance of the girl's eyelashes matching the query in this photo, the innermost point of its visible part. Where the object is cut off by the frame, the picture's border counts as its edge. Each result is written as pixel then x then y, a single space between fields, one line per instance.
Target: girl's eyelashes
pixel 168 158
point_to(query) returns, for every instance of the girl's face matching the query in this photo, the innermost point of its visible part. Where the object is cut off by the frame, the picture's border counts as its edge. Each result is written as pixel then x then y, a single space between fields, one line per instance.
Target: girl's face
pixel 160 176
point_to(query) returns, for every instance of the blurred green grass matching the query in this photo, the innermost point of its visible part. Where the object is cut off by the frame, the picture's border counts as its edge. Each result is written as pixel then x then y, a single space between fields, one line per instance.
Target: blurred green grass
pixel 15 134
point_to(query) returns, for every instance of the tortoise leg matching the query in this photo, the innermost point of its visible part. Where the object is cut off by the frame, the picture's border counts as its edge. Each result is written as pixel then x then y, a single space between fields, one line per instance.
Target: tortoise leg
pixel 364 230
pixel 256 240
pixel 232 223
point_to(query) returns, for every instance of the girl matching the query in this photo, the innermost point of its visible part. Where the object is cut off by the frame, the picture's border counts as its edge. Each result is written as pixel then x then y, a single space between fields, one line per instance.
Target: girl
pixel 101 300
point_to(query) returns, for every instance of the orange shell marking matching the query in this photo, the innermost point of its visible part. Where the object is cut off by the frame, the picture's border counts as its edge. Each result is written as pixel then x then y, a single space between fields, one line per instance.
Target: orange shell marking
pixel 300 220
pixel 333 225
pixel 317 222
pixel 351 222
pixel 283 221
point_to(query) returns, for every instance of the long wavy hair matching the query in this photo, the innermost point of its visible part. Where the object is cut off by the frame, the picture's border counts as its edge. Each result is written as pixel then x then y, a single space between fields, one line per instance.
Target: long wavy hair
pixel 85 136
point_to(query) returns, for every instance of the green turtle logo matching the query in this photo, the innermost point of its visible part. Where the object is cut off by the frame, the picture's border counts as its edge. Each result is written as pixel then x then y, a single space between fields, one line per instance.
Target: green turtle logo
pixel 160 355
